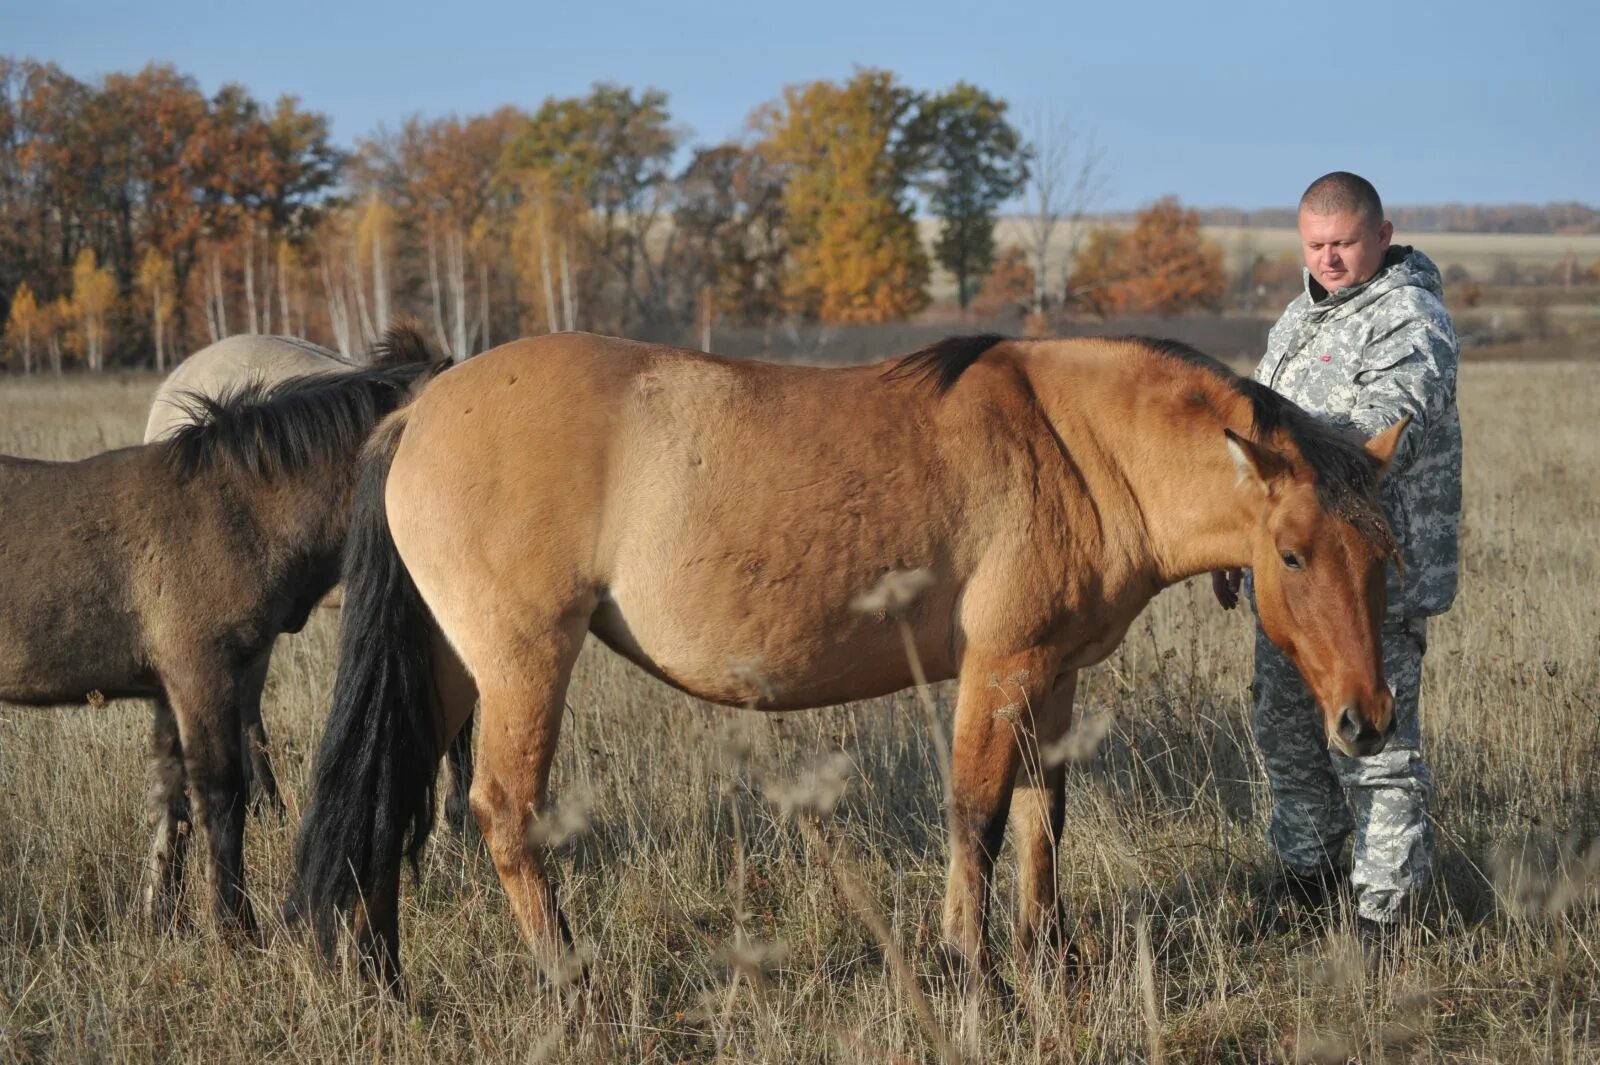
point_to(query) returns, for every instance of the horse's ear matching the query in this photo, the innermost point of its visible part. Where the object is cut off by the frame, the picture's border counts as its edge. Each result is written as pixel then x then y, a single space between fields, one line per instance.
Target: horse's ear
pixel 1382 446
pixel 1257 464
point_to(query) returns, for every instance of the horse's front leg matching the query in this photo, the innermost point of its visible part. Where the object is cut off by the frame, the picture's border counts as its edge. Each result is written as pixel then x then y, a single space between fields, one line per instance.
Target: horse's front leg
pixel 994 724
pixel 1038 811
pixel 205 703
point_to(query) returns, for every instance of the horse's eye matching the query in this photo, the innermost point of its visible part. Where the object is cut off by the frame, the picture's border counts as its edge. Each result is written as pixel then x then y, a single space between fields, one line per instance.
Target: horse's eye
pixel 1291 560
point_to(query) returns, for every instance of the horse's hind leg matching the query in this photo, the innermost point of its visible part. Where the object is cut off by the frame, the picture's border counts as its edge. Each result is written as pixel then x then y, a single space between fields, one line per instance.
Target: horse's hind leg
pixel 206 704
pixel 520 702
pixel 1038 810
pixel 263 783
pixel 994 721
pixel 162 891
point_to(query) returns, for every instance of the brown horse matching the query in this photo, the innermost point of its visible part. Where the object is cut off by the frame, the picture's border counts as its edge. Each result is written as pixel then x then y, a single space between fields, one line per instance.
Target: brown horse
pixel 167 570
pixel 246 361
pixel 714 520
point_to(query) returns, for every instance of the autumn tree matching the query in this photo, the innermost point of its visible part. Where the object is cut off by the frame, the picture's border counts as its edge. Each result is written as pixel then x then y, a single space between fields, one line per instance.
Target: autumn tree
pixel 374 236
pixel 159 287
pixel 549 249
pixel 22 325
pixel 732 241
pixel 847 163
pixel 1008 289
pixel 55 323
pixel 297 167
pixel 50 203
pixel 972 162
pixel 140 161
pixel 613 149
pixel 1162 265
pixel 443 178
pixel 94 292
pixel 1066 176
pixel 149 132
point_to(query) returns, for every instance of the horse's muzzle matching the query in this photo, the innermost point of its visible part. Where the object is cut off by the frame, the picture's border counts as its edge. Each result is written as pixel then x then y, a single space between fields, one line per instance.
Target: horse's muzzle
pixel 1356 736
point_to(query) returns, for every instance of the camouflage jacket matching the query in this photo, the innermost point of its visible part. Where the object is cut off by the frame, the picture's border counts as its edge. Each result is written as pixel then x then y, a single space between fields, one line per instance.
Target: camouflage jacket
pixel 1364 357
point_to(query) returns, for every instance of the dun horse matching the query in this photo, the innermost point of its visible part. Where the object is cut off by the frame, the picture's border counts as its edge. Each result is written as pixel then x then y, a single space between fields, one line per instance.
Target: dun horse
pixel 167 570
pixel 713 520
pixel 250 361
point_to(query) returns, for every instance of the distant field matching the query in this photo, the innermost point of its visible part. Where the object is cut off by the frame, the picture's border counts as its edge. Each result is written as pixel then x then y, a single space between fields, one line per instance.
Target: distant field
pixel 1164 834
pixel 1478 252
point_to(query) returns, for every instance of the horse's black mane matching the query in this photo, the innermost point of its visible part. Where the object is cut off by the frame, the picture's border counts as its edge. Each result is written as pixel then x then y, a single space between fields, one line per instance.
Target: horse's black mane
pixel 1347 477
pixel 267 430
pixel 942 363
pixel 400 345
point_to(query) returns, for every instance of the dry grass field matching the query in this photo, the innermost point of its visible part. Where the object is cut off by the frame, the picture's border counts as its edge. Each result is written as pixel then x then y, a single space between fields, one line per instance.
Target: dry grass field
pixel 717 930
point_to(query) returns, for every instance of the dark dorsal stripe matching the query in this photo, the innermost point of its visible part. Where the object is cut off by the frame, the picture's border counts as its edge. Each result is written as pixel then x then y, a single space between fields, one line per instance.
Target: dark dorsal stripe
pixel 265 431
pixel 942 363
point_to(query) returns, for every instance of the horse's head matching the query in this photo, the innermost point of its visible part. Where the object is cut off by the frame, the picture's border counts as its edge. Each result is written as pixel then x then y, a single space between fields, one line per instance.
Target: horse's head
pixel 1319 548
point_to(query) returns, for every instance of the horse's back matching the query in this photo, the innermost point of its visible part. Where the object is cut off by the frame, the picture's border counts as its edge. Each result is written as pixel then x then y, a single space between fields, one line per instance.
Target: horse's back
pixel 231 363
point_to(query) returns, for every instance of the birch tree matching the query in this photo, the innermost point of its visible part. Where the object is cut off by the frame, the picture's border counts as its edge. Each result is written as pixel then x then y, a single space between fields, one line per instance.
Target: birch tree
pixel 1066 177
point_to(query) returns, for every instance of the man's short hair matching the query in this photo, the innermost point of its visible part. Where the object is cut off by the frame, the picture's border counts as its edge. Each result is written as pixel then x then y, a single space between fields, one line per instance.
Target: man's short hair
pixel 1342 192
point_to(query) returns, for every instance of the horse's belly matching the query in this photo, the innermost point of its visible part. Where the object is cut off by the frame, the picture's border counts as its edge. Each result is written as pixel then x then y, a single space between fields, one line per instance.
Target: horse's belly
pixel 777 660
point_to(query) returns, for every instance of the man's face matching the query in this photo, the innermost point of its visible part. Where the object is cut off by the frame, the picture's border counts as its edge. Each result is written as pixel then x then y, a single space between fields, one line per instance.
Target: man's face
pixel 1342 250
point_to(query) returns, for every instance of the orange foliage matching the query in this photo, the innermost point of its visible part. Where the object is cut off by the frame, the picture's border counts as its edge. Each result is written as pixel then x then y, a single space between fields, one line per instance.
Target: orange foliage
pixel 1160 266
pixel 1009 287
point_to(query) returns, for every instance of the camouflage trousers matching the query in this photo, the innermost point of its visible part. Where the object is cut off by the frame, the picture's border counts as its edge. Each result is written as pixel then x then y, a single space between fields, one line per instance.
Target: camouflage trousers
pixel 1320 796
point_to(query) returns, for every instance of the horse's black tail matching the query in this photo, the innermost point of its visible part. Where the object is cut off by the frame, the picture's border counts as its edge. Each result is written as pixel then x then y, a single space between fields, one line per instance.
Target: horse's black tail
pixel 372 789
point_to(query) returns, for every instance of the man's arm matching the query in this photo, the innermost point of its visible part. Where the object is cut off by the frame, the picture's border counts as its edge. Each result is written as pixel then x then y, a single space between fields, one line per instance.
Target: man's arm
pixel 1409 369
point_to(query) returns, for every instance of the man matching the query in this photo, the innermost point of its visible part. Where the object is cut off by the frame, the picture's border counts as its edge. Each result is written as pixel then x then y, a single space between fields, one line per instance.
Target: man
pixel 1365 344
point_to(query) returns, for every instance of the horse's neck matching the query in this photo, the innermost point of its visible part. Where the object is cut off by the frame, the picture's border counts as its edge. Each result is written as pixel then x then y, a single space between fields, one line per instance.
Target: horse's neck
pixel 1187 483
pixel 304 513
pixel 1158 433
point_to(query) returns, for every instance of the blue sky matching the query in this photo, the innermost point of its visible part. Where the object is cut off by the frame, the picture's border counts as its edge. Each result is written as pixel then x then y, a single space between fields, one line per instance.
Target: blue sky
pixel 1239 104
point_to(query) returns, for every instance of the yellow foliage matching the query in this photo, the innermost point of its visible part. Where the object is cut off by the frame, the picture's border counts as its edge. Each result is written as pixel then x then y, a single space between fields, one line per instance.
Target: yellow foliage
pixel 94 293
pixel 547 247
pixel 856 253
pixel 375 228
pixel 157 283
pixel 94 290
pixel 23 325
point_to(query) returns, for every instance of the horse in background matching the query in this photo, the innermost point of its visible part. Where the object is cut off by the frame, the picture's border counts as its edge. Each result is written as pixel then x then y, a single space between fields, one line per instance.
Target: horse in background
pixel 252 360
pixel 167 570
pixel 233 362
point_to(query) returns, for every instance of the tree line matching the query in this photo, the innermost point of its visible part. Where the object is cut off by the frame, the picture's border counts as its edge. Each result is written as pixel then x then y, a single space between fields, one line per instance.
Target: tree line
pixel 141 218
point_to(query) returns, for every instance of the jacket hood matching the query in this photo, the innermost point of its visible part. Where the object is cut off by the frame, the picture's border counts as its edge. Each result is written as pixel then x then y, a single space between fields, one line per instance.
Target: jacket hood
pixel 1403 267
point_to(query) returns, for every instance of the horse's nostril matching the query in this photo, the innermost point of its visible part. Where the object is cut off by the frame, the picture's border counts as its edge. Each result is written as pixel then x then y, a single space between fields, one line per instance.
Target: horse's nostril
pixel 1349 725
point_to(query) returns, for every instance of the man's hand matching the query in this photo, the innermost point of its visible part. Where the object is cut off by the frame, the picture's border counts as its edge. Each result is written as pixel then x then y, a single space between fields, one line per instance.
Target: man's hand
pixel 1225 583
